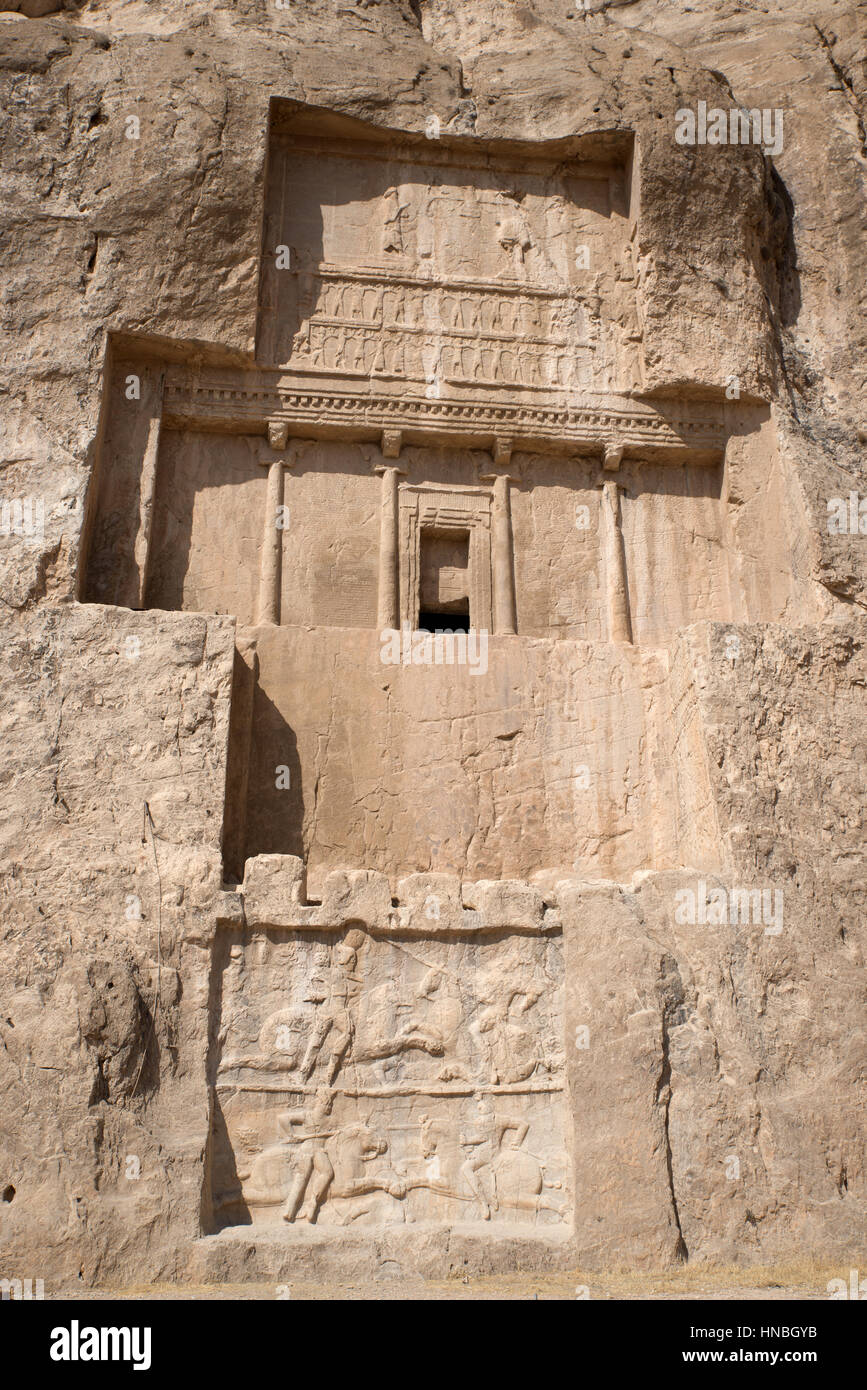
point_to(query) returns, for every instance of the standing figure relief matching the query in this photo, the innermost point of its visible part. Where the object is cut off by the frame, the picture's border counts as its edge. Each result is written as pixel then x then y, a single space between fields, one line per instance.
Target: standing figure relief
pixel 394 221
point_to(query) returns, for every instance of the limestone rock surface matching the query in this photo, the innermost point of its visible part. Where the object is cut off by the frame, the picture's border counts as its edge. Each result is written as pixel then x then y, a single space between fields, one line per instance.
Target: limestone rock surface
pixel 313 961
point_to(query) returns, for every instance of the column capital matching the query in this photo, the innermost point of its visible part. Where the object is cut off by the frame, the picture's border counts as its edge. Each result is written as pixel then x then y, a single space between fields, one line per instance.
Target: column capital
pixel 289 457
pixel 612 457
pixel 380 469
pixel 611 480
pixel 502 451
pixel 278 434
pixel 497 475
pixel 391 444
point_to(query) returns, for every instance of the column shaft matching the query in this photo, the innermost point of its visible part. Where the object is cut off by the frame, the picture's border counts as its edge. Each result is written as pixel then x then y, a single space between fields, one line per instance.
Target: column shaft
pixel 502 562
pixel 147 498
pixel 388 615
pixel 619 624
pixel 268 610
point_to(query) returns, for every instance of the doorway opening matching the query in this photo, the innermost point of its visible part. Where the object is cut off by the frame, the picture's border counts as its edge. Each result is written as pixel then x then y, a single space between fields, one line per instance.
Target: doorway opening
pixel 444 581
pixel 443 622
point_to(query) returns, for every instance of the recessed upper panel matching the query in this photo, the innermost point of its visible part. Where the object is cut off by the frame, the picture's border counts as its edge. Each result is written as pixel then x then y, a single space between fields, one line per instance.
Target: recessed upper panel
pixel 447 269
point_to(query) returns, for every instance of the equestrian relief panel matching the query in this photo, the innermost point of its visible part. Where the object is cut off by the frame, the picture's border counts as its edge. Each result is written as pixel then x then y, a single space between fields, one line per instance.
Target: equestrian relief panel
pixel 369 1082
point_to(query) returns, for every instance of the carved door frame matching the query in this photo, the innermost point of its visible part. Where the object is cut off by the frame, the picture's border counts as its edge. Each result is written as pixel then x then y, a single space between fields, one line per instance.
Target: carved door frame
pixel 432 507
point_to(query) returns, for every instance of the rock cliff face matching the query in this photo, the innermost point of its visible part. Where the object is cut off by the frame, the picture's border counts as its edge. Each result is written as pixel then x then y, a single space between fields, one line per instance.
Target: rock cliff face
pixel 327 945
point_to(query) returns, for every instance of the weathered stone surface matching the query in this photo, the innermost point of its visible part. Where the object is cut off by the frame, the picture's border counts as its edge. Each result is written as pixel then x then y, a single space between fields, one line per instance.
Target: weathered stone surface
pixel 326 950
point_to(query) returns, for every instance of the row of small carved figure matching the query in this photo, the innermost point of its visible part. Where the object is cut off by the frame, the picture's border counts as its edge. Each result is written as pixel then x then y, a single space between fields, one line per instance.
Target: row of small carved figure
pixel 443 310
pixel 360 351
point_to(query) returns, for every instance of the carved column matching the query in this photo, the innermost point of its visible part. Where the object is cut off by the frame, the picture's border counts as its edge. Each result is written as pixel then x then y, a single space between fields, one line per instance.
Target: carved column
pixel 388 609
pixel 502 556
pixel 268 605
pixel 619 624
pixel 147 498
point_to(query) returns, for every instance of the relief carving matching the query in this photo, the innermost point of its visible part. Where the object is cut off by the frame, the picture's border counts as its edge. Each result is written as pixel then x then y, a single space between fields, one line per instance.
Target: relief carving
pixel 395 210
pixel 484 269
pixel 473 338
pixel 395 1081
pixel 512 231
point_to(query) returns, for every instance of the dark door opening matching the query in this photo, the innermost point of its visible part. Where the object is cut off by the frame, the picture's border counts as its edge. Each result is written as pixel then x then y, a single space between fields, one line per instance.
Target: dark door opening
pixel 444 581
pixel 444 622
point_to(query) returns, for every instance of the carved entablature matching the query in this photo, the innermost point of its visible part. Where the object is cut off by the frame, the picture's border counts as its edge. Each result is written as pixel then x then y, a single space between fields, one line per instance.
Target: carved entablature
pixel 214 399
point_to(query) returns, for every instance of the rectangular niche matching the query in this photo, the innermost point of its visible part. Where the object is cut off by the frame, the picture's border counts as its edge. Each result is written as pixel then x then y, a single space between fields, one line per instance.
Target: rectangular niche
pixel 374 1082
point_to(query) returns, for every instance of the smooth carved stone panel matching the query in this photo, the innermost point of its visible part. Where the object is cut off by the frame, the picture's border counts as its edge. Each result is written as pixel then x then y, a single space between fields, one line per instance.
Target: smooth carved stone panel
pixel 207 529
pixel 414 261
pixel 558 755
pixel 374 1082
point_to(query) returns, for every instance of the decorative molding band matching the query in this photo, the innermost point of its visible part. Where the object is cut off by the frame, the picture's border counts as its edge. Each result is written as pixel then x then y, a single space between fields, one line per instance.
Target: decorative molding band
pixel 599 424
